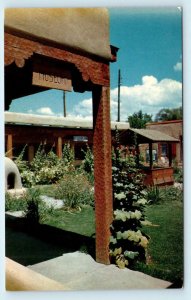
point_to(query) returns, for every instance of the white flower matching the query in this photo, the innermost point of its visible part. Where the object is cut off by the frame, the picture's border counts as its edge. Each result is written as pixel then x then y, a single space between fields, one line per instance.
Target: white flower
pixel 131 254
pixel 137 214
pixel 142 201
pixel 113 240
pixel 114 168
pixel 119 235
pixel 117 251
pixel 120 215
pixel 120 196
pixel 118 184
pixel 144 193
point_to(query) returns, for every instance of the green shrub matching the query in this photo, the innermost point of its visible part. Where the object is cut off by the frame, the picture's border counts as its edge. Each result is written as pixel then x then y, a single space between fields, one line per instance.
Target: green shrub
pixel 36 210
pixel 88 162
pixel 128 243
pixel 13 203
pixel 171 193
pixel 45 168
pixel 153 194
pixel 157 195
pixel 75 189
pixel 178 175
pixel 68 155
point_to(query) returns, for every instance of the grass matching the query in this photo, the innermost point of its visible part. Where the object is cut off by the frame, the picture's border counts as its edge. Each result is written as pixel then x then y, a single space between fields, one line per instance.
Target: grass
pixel 165 252
pixel 78 221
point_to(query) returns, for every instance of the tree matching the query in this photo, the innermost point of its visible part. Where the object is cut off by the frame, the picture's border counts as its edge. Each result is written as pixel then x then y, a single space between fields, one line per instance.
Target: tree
pixel 139 120
pixel 167 114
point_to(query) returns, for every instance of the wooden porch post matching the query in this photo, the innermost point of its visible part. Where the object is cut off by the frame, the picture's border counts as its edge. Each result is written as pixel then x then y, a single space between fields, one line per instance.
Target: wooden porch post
pixel 151 155
pixel 10 146
pixel 30 152
pixel 102 171
pixel 170 154
pixel 59 147
pixel 137 155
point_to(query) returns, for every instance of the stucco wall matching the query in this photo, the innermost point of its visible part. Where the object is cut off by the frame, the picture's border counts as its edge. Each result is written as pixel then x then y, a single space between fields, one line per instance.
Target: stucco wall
pixel 86 29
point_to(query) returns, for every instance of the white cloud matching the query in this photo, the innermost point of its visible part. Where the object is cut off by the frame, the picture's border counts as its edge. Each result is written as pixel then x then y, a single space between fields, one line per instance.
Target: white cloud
pixel 178 67
pixel 42 110
pixel 149 80
pixel 45 111
pixel 83 109
pixel 150 97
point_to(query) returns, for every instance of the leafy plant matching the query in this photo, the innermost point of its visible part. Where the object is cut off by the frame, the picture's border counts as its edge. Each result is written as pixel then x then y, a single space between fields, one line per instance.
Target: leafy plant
pixel 13 203
pixel 88 162
pixel 75 190
pixel 32 214
pixel 178 174
pixel 45 168
pixel 154 195
pixel 171 193
pixel 68 155
pixel 36 210
pixel 20 162
pixel 128 243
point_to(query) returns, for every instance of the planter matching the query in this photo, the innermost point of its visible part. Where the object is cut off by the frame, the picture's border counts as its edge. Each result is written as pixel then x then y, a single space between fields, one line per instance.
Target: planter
pixel 158 176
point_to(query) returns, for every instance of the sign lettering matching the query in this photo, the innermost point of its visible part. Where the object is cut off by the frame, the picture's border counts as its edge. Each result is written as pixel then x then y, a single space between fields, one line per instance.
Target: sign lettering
pixel 51 76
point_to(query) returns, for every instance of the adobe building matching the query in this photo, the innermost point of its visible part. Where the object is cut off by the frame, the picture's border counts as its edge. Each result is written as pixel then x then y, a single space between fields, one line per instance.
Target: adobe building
pixel 27 130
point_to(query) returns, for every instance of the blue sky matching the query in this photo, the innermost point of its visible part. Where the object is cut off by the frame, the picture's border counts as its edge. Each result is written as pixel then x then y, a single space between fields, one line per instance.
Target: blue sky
pixel 150 60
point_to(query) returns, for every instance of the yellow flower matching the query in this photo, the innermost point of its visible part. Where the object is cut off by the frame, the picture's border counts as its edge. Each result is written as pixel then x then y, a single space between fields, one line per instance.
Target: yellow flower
pixel 144 242
pixel 121 262
pixel 117 251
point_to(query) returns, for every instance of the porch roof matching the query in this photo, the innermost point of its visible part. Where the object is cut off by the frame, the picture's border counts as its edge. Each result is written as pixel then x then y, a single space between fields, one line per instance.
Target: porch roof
pixel 54 121
pixel 145 136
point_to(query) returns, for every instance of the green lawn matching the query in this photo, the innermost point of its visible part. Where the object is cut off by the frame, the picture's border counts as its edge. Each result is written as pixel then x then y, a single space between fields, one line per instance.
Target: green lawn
pixel 165 252
pixel 81 222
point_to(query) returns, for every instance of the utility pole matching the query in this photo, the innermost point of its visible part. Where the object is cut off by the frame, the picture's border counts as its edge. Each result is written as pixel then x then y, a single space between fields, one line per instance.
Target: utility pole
pixel 64 99
pixel 119 84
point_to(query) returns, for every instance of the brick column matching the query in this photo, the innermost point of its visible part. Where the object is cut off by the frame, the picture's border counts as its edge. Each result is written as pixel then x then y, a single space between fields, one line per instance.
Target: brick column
pixel 10 146
pixel 102 171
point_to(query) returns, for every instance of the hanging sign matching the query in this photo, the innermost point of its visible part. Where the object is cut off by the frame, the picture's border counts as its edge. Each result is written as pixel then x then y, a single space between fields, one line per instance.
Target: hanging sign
pixel 51 75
